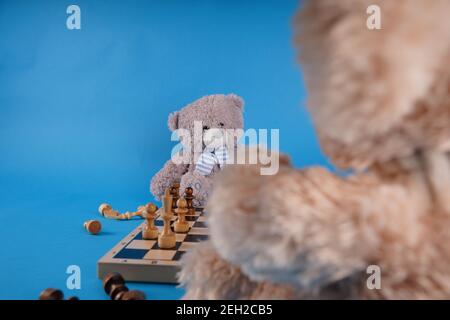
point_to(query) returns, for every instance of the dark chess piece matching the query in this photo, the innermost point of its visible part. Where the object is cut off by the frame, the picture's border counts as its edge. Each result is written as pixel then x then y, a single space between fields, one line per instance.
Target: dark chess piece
pixel 51 294
pixel 189 197
pixel 133 295
pixel 114 286
pixel 175 192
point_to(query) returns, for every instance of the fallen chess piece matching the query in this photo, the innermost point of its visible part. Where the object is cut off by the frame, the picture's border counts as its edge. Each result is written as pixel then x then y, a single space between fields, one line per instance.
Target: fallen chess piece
pixel 108 212
pixel 54 294
pixel 93 226
pixel 51 294
pixel 115 288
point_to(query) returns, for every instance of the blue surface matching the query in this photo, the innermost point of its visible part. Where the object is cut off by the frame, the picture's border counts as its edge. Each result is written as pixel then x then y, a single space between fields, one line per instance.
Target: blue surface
pixel 83 116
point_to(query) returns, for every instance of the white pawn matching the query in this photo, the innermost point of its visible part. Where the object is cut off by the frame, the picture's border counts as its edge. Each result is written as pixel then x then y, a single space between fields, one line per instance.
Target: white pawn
pixel 181 224
pixel 150 231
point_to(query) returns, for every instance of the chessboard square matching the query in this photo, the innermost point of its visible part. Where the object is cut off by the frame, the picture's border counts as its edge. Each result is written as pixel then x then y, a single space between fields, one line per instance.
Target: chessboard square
pixel 178 255
pixel 203 231
pixel 141 244
pixel 195 237
pixel 200 224
pixel 186 246
pixel 131 254
pixel 160 254
pixel 138 236
pixel 180 237
pixel 201 219
pixel 159 223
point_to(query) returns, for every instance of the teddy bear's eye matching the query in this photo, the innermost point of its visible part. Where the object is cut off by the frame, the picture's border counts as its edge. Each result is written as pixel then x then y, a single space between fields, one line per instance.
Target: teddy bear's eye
pixel 205 127
pixel 221 124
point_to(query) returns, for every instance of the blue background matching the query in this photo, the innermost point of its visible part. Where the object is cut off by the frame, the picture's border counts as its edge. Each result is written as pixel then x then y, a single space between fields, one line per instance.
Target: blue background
pixel 83 117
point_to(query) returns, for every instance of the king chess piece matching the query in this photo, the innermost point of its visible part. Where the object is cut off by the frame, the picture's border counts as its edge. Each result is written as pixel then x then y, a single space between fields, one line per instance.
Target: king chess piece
pixel 181 225
pixel 166 239
pixel 150 231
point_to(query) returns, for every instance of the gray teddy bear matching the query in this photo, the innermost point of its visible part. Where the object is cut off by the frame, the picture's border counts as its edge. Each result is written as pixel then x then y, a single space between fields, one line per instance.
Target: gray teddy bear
pixel 196 163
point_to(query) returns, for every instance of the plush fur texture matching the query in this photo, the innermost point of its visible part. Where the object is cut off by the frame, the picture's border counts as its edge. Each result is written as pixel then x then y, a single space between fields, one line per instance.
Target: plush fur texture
pixel 380 101
pixel 214 111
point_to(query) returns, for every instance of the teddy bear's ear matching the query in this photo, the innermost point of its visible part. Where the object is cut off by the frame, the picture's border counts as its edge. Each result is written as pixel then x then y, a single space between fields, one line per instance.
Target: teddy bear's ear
pixel 173 121
pixel 237 101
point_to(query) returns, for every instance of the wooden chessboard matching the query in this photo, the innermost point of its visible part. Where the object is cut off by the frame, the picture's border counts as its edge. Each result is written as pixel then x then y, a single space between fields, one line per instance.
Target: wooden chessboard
pixel 137 259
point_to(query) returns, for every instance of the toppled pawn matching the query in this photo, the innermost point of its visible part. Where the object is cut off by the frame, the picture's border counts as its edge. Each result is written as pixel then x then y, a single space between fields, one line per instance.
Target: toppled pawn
pixel 114 285
pixel 51 294
pixel 93 226
pixel 54 294
pixel 181 225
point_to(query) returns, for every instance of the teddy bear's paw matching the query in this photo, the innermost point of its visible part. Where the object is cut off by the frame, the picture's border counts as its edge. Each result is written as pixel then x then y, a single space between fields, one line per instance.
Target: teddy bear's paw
pixel 205 275
pixel 165 177
pixel 202 186
pixel 285 228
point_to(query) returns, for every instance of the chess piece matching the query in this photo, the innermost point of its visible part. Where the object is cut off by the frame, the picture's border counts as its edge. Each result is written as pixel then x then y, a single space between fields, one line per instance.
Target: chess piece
pixel 93 226
pixel 129 215
pixel 189 196
pixel 51 294
pixel 133 295
pixel 54 294
pixel 181 224
pixel 166 239
pixel 175 192
pixel 150 231
pixel 118 292
pixel 114 286
pixel 107 211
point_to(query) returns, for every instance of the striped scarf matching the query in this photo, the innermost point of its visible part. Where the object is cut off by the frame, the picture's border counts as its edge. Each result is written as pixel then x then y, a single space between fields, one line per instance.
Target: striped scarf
pixel 209 158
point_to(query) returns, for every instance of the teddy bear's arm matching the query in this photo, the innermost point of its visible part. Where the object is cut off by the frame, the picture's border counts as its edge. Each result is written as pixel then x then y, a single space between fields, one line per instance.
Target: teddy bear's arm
pixel 307 227
pixel 169 174
pixel 205 275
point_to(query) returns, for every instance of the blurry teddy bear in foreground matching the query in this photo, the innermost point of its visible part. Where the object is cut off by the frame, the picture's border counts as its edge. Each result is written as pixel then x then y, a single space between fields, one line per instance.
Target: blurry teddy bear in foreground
pixel 380 101
pixel 204 150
